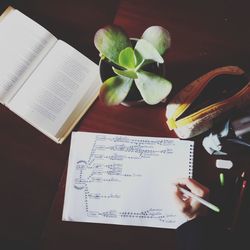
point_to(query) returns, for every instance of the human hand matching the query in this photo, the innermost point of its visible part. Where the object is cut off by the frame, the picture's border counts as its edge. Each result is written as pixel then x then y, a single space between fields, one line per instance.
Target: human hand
pixel 187 205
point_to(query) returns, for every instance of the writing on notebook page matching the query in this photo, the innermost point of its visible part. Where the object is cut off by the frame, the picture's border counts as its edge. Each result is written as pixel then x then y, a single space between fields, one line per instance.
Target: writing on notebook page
pixel 95 170
pixel 124 179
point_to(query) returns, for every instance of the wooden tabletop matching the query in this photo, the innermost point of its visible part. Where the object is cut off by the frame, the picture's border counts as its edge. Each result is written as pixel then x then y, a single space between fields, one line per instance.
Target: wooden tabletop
pixel 33 167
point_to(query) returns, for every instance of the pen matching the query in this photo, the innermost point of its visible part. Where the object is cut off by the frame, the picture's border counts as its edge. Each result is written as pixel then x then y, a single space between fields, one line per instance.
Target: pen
pixel 239 202
pixel 202 201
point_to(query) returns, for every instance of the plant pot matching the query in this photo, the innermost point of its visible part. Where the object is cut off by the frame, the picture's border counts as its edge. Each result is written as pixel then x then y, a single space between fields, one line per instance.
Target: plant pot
pixel 134 97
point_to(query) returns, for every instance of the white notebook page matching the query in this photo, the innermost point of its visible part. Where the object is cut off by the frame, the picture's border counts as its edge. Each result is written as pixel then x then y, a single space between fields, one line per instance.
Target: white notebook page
pixel 125 180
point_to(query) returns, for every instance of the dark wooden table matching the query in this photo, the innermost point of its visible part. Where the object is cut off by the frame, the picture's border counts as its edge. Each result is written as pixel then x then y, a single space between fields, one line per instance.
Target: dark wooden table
pixel 205 35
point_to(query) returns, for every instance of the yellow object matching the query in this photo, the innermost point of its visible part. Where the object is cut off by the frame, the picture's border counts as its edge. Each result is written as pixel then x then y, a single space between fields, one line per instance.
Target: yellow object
pixel 201 119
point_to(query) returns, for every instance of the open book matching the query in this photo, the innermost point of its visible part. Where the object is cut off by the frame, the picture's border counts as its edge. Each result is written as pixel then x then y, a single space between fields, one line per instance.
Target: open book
pixel 42 79
pixel 125 180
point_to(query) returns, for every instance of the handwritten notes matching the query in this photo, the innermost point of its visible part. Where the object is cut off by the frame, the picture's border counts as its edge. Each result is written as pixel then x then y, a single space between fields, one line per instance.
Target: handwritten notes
pixel 125 180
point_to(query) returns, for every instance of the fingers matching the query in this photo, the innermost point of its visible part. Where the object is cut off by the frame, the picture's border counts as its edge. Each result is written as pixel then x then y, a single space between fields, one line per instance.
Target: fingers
pixel 184 205
pixel 187 205
pixel 194 186
pixel 182 202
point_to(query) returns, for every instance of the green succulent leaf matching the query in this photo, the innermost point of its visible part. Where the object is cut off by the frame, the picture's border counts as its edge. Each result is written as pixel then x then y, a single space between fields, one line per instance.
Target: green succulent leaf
pixel 138 58
pixel 159 37
pixel 115 89
pixel 153 88
pixel 127 73
pixel 148 51
pixel 110 41
pixel 127 58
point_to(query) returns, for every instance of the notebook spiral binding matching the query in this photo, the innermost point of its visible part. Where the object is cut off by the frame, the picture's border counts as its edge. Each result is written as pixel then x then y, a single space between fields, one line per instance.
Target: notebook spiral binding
pixel 191 160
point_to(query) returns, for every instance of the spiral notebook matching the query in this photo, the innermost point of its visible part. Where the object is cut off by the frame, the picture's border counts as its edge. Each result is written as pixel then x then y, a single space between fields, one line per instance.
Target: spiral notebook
pixel 125 180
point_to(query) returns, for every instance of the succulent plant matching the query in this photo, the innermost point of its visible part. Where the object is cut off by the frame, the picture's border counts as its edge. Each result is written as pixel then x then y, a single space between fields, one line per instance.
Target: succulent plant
pixel 128 63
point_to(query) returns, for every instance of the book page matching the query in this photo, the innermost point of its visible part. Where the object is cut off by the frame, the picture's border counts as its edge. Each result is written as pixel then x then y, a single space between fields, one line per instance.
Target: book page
pixel 23 44
pixel 52 93
pixel 125 180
